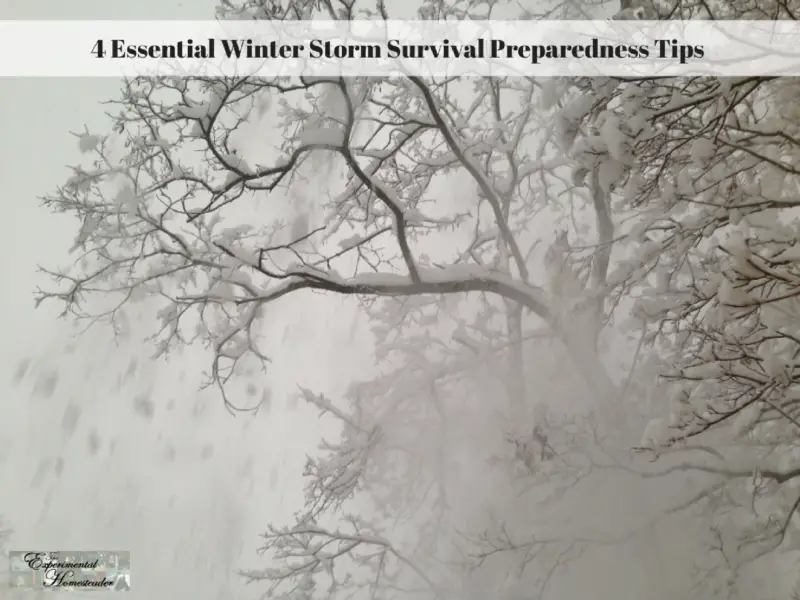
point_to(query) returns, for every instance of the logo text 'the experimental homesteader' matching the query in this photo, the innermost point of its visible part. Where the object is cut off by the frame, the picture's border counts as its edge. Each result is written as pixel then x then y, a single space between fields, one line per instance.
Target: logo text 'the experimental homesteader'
pixel 84 570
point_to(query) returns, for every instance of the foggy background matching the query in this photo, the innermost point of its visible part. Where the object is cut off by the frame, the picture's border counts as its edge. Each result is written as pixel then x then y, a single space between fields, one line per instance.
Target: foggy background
pixel 186 494
pixel 103 448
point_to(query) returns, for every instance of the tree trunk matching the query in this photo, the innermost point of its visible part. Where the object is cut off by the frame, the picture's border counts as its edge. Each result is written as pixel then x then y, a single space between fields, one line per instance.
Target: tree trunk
pixel 517 389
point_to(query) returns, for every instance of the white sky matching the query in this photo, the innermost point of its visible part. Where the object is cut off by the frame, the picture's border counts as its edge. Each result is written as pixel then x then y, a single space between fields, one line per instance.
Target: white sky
pixel 176 518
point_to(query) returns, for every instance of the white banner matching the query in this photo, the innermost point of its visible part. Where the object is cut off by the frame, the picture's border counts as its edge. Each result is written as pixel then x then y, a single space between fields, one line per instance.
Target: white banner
pixel 387 48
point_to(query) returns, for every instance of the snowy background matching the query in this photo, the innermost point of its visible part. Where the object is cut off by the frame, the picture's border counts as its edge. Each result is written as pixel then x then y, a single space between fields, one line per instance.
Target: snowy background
pixel 103 447
pixel 91 457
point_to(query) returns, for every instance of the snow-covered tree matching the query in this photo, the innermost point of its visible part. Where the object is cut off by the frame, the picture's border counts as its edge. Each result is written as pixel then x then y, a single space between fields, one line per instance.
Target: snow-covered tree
pixel 716 194
pixel 491 230
pixel 711 195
